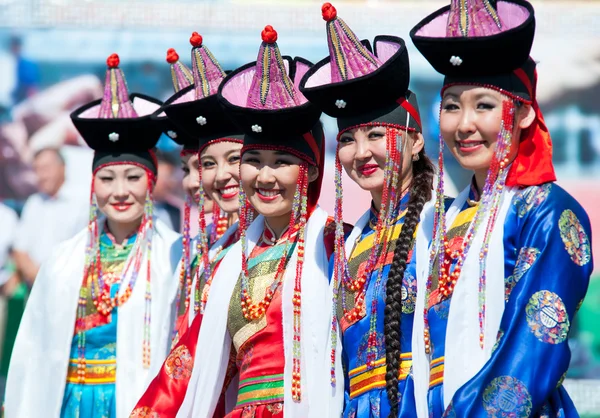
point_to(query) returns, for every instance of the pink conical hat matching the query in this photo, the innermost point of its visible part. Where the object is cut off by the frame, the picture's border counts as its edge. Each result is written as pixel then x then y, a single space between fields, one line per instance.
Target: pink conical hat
pixel 206 70
pixel 115 101
pixel 180 73
pixel 271 86
pixel 349 57
pixel 472 18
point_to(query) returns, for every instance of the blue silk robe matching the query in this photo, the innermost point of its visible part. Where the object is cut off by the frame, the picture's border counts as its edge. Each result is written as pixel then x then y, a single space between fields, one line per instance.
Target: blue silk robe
pixel 365 392
pixel 96 398
pixel 547 267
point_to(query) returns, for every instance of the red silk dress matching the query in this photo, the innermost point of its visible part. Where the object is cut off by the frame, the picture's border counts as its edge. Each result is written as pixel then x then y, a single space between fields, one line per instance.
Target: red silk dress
pixel 166 392
pixel 258 344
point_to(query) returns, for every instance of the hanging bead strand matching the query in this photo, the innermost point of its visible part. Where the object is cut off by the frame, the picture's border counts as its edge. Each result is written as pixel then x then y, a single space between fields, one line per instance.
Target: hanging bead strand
pixel 148 232
pixel 301 218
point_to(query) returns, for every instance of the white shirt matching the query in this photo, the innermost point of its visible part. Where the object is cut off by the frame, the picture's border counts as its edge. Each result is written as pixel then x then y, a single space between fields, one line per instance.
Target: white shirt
pixel 48 221
pixel 8 229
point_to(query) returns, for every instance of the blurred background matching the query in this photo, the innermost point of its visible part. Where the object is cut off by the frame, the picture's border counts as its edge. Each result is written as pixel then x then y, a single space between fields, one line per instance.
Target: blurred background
pixel 52 60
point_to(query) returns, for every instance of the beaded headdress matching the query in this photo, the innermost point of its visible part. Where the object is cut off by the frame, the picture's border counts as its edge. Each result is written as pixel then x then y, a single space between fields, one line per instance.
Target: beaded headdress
pixel 362 88
pixel 485 43
pixel 358 84
pixel 263 99
pixel 182 77
pixel 195 109
pixel 196 112
pixel 121 129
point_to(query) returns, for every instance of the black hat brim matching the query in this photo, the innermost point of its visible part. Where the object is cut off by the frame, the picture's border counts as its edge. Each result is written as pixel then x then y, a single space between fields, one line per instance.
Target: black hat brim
pixel 479 56
pixel 382 87
pixel 270 124
pixel 116 135
pixel 202 121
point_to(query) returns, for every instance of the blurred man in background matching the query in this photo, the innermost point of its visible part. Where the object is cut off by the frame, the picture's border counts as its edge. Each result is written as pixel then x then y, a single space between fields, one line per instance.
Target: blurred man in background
pixel 167 204
pixel 49 217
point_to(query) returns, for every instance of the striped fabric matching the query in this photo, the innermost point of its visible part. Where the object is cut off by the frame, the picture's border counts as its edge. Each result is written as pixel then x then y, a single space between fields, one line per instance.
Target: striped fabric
pixel 363 380
pixel 260 390
pixel 97 372
pixel 436 372
pixel 359 258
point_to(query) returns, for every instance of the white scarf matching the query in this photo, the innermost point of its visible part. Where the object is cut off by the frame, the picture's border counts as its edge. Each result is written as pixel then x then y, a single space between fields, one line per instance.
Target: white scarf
pixel 463 357
pixel 38 369
pixel 217 246
pixel 319 399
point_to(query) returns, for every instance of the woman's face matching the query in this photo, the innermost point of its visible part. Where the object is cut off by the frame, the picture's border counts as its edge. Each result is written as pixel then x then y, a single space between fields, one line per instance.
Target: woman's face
pixel 362 154
pixel 221 174
pixel 269 180
pixel 191 179
pixel 470 122
pixel 121 192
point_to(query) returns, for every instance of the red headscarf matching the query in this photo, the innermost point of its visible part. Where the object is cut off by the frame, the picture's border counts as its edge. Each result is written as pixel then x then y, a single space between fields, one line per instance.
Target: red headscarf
pixel 533 164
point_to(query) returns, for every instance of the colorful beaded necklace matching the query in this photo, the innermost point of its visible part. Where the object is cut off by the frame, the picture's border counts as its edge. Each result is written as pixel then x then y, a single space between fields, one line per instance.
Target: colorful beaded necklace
pixel 100 293
pixel 252 310
pixel 185 274
pixel 390 198
pixel 491 198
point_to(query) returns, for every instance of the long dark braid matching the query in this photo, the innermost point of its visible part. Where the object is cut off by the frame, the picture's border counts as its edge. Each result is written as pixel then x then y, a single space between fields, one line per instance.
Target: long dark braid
pixel 420 193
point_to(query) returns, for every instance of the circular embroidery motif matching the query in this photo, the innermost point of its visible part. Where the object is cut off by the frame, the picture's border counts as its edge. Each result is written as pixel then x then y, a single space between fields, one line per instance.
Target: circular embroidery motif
pixel 364 343
pixel 531 197
pixel 179 364
pixel 547 317
pixel 144 412
pixel 574 237
pixel 526 258
pixel 409 293
pixel 507 396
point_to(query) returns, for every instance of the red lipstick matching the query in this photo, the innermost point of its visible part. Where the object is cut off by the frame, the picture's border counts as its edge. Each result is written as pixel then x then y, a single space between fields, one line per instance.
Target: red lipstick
pixel 367 169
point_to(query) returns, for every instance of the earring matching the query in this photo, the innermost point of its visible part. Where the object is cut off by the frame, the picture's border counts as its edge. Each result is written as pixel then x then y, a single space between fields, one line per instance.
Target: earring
pixel 415 157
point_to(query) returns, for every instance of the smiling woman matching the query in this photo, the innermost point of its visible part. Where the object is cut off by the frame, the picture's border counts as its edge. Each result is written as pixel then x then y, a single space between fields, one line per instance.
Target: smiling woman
pixel 380 146
pixel 101 307
pixel 470 120
pixel 121 195
pixel 273 283
pixel 495 311
pixel 270 179
pixel 211 165
pixel 220 175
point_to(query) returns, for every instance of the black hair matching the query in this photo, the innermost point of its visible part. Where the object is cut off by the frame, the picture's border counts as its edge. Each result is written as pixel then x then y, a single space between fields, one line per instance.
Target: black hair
pixel 420 193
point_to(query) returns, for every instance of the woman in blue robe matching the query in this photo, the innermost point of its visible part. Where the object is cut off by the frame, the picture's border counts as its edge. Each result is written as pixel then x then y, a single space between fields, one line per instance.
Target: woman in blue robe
pixel 503 268
pixel 380 146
